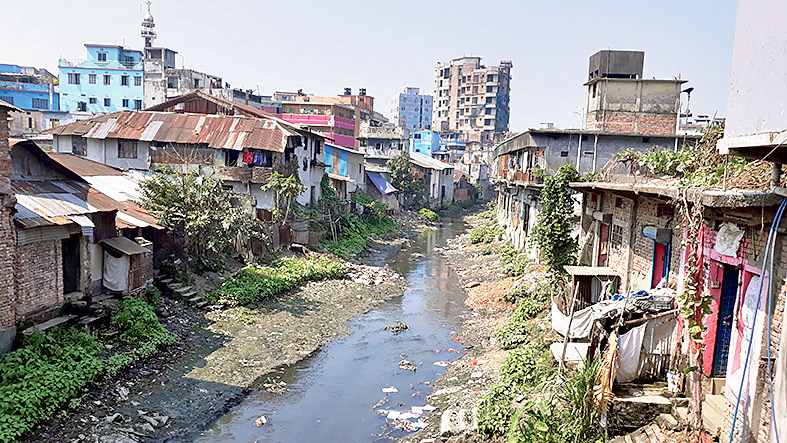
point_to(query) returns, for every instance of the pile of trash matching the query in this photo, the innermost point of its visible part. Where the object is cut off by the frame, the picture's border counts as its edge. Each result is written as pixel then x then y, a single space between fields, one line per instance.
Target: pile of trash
pixel 371 275
pixel 409 420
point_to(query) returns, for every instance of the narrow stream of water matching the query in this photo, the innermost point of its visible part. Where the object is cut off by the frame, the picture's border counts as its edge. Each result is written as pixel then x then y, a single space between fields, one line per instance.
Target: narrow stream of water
pixel 332 394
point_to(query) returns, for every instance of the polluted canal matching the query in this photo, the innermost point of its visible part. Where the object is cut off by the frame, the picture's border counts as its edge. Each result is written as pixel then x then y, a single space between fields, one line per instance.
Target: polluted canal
pixel 337 393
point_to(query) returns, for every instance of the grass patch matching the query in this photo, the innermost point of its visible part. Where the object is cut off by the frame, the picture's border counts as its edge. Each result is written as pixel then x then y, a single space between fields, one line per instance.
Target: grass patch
pixel 255 283
pixel 354 232
pixel 48 372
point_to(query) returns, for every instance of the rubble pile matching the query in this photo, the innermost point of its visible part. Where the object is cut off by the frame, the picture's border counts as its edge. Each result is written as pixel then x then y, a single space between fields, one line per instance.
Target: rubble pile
pixel 371 275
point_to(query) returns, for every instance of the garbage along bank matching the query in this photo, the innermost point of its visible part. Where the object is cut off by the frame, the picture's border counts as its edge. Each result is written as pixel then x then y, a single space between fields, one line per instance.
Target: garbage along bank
pixel 221 355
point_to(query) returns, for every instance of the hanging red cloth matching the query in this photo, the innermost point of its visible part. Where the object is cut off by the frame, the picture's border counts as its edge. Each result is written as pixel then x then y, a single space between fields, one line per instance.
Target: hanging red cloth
pixel 248 158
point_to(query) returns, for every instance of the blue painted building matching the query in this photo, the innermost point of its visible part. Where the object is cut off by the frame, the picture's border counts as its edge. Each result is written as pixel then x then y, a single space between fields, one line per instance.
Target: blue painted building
pixel 28 88
pixel 110 79
pixel 425 142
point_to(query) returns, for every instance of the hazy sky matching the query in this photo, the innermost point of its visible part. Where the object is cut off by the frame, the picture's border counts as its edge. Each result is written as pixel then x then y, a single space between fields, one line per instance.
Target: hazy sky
pixel 323 46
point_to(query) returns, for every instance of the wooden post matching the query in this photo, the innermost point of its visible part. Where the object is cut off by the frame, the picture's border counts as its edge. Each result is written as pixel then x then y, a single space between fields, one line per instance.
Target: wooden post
pixel 570 320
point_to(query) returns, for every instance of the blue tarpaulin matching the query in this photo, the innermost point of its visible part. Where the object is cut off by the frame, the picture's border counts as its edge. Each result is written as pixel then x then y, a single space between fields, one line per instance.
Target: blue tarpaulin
pixel 381 183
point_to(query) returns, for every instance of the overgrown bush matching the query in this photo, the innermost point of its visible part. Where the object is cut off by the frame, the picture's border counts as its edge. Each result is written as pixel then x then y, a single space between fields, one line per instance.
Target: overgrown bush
pixel 50 369
pixel 428 215
pixel 552 232
pixel 255 283
pixel 513 262
pixel 485 234
pixel 519 330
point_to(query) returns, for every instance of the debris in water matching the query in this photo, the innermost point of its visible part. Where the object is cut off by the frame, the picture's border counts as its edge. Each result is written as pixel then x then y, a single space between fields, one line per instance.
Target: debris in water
pixel 397 328
pixel 408 365
pixel 390 389
pixel 442 364
pixel 382 401
pixel 261 421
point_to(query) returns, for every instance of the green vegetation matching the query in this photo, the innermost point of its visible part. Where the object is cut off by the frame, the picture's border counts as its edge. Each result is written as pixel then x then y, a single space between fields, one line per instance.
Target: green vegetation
pixel 200 211
pixel 285 189
pixel 403 180
pixel 351 231
pixel 513 262
pixel 428 215
pixel 48 372
pixel 255 283
pixel 552 232
pixel 519 329
pixel 486 234
pixel 457 205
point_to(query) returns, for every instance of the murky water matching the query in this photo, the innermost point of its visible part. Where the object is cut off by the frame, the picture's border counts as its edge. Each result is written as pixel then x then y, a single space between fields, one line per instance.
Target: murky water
pixel 332 394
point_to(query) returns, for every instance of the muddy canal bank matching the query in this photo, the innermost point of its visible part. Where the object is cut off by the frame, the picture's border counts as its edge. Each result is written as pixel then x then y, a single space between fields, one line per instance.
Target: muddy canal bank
pixel 222 356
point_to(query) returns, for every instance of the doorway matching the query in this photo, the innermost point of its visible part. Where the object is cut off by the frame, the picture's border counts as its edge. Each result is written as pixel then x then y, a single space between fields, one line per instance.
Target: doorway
pixel 660 263
pixel 603 244
pixel 71 268
pixel 729 291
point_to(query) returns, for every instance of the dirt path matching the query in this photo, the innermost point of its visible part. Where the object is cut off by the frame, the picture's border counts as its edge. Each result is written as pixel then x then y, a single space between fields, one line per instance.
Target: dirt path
pixel 221 355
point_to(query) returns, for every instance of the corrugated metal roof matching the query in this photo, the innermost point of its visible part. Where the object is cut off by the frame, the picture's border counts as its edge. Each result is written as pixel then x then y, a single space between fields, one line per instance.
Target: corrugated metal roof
pixel 82 166
pixel 341 178
pixel 124 245
pixel 215 131
pixel 428 162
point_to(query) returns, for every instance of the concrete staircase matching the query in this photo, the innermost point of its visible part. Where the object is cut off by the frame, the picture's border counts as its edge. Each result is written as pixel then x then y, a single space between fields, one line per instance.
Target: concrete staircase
pixel 646 434
pixel 181 291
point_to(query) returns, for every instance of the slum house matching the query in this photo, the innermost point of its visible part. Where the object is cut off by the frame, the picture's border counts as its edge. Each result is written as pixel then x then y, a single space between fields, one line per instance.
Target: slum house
pixel 436 176
pixel 756 127
pixel 381 188
pixel 67 246
pixel 241 151
pixel 463 188
pixel 131 221
pixel 637 230
pixel 345 169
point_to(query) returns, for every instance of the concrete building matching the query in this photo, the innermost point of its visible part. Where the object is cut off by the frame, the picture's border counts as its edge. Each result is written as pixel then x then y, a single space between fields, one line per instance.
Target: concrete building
pixel 361 104
pixel 472 98
pixel 28 88
pixel 337 122
pixel 109 80
pixel 381 143
pixel 619 100
pixel 163 79
pixel 412 110
pixel 425 142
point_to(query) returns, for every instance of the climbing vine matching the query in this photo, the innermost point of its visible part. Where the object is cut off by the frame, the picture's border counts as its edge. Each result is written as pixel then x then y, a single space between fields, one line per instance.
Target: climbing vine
pixel 695 304
pixel 552 232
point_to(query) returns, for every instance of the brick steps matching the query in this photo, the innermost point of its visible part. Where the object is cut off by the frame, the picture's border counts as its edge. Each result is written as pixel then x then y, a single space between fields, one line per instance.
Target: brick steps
pixel 647 434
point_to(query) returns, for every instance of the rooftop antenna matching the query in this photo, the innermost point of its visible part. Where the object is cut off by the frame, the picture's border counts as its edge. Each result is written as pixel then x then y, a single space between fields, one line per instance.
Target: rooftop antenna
pixel 148 31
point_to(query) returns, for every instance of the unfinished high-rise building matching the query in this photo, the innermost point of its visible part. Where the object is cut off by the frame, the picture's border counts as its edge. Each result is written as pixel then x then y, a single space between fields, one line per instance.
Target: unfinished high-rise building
pixel 472 99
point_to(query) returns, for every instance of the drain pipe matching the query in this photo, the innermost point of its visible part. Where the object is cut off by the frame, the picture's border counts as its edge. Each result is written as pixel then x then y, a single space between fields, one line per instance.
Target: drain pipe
pixel 776 176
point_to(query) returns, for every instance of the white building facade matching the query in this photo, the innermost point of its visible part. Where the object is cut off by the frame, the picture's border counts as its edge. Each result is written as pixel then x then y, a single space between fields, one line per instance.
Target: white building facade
pixel 412 110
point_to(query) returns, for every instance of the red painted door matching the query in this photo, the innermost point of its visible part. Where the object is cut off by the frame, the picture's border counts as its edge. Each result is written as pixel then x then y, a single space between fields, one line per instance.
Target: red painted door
pixel 603 244
pixel 659 262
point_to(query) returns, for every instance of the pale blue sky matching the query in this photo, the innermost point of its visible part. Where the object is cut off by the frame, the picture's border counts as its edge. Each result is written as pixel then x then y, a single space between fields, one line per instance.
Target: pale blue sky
pixel 324 46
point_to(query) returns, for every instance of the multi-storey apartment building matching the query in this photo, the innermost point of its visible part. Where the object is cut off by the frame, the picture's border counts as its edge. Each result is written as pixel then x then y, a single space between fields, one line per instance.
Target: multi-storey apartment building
pixel 412 110
pixel 472 98
pixel 109 80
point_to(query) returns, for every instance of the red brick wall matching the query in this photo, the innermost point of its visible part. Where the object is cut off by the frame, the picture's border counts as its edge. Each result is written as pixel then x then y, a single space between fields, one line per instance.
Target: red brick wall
pixel 7 233
pixel 39 277
pixel 645 123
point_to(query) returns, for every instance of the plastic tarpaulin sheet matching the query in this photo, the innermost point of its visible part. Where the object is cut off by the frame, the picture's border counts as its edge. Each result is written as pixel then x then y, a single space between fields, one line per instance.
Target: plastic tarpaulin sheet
pixel 728 239
pixel 116 272
pixel 583 318
pixel 381 183
pixel 629 348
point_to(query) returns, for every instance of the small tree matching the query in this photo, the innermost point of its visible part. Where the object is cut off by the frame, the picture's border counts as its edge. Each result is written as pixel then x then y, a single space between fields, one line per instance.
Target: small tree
pixel 199 210
pixel 401 172
pixel 284 188
pixel 552 232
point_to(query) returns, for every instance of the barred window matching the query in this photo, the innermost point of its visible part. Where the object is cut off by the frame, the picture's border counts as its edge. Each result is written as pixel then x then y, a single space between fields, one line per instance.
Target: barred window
pixel 617 236
pixel 127 149
pixel 78 145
